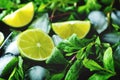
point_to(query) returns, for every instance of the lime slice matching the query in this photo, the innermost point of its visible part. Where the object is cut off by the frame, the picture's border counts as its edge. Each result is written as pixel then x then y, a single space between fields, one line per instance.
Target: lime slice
pixel 66 29
pixel 20 17
pixel 35 44
pixel 1 38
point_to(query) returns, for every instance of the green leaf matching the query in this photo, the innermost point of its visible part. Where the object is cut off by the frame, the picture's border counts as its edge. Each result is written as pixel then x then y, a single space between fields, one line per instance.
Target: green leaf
pixel 42 7
pixel 56 58
pixel 100 76
pixel 92 65
pixel 17 73
pixel 4 12
pixel 73 43
pixel 82 9
pixel 97 41
pixel 85 51
pixel 2 79
pixel 69 45
pixel 58 76
pixel 89 5
pixel 93 5
pixel 74 71
pixel 108 59
pixel 116 27
pixel 6 4
pixel 42 22
pixel 81 54
pixel 108 9
pixel 107 2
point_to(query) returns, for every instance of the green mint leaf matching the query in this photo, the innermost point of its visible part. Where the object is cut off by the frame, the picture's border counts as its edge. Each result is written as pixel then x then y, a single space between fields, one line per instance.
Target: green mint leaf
pixel 81 54
pixel 74 71
pixel 97 41
pixel 107 2
pixel 100 76
pixel 92 65
pixel 89 6
pixel 73 43
pixel 56 58
pixel 42 7
pixel 2 79
pixel 116 27
pixel 6 4
pixel 85 51
pixel 58 76
pixel 17 73
pixel 108 59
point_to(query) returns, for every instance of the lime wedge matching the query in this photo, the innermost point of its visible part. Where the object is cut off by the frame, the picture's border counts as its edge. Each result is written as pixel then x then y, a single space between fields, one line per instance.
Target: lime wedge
pixel 66 29
pixel 20 17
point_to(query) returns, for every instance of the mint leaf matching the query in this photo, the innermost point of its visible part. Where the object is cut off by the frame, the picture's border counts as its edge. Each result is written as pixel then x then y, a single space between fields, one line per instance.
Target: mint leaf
pixel 69 45
pixel 85 51
pixel 2 79
pixel 58 76
pixel 73 43
pixel 100 76
pixel 92 65
pixel 6 4
pixel 17 73
pixel 74 71
pixel 56 57
pixel 81 53
pixel 97 41
pixel 108 59
pixel 116 27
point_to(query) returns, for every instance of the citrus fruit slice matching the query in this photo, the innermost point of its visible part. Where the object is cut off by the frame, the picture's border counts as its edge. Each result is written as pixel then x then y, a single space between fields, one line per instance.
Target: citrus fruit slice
pixel 66 29
pixel 20 17
pixel 1 38
pixel 35 44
